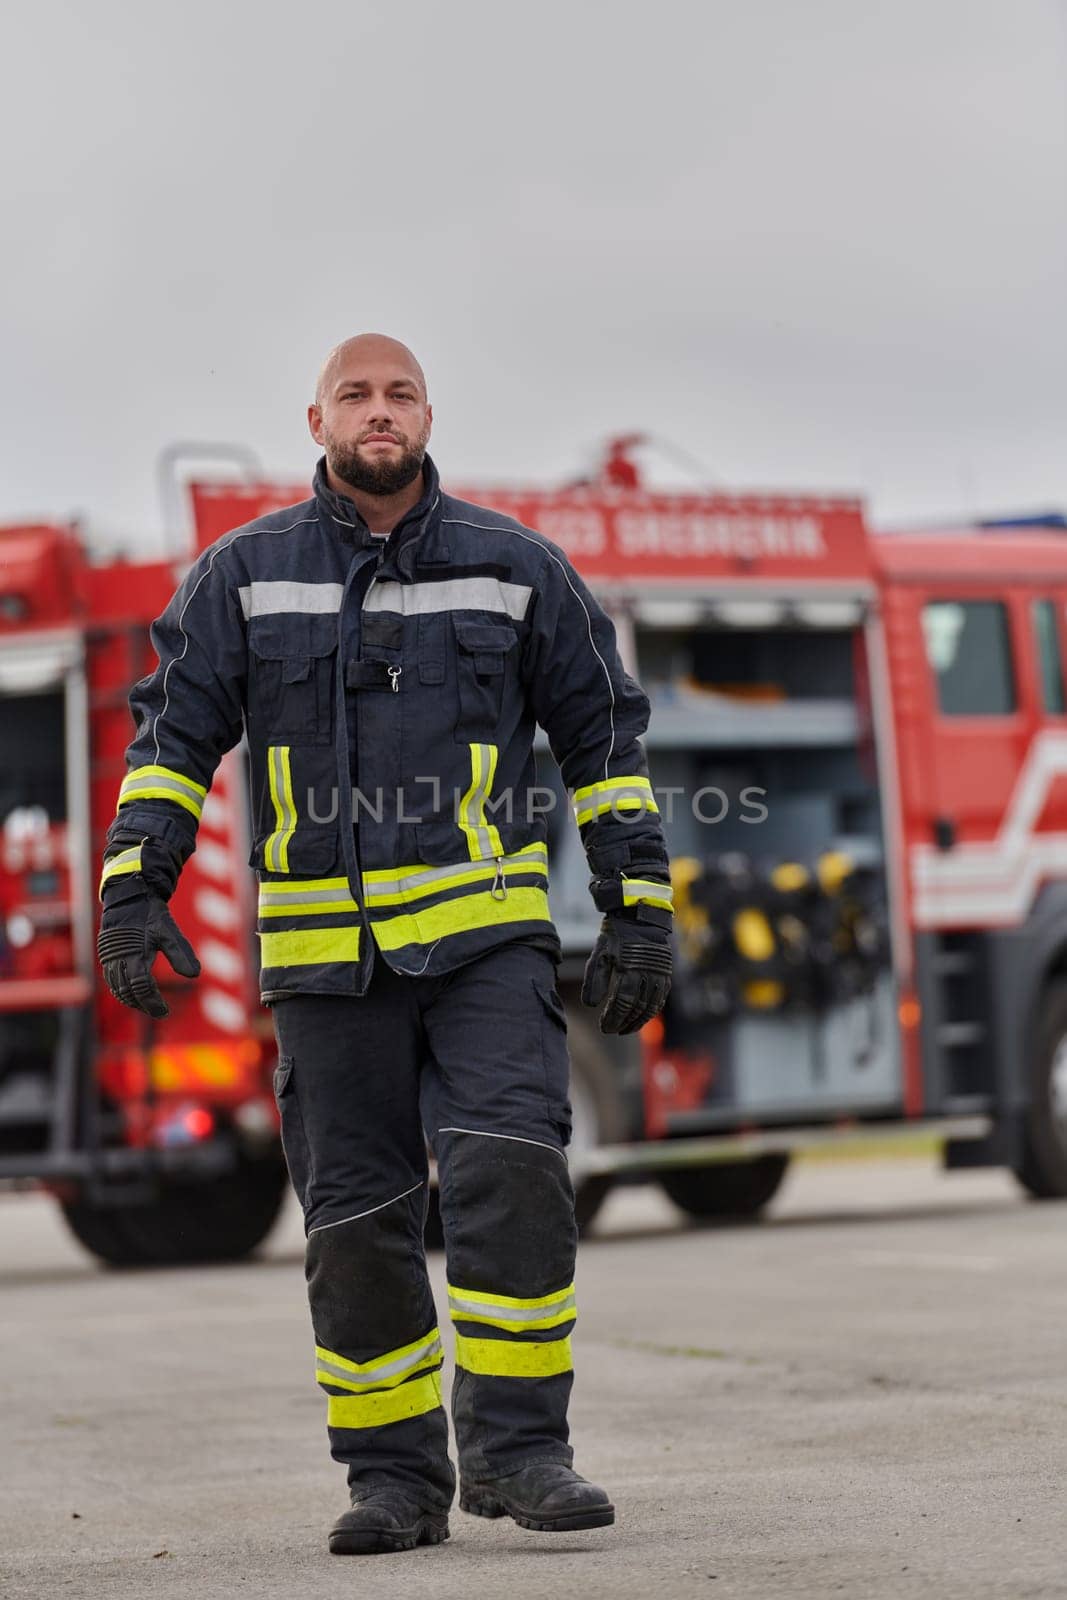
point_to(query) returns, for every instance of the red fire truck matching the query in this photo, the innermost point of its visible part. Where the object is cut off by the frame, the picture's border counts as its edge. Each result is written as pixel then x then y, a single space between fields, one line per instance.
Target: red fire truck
pixel 859 746
pixel 159 1139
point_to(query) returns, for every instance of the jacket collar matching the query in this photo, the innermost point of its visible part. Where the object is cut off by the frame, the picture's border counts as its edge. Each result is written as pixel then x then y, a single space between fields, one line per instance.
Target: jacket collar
pixel 416 537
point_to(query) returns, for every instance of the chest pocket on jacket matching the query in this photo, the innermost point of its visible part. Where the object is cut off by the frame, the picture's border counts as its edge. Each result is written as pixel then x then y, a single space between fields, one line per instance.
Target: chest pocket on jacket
pixel 482 663
pixel 291 666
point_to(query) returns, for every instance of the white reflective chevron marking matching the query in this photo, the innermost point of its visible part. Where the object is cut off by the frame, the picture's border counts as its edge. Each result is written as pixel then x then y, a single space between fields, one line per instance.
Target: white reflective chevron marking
pixel 450 594
pixel 220 960
pixel 216 814
pixel 213 860
pixel 267 599
pixel 217 910
pixel 995 880
pixel 223 1010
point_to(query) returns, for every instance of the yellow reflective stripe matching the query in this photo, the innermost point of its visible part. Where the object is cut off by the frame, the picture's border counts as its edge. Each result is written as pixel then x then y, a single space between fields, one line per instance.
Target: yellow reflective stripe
pixel 310 947
pixel 554 1319
pixel 161 783
pixel 305 897
pixel 276 850
pixel 125 861
pixel 628 785
pixel 399 874
pixel 482 838
pixel 646 891
pixel 382 1372
pixel 614 794
pixel 316 908
pixel 385 1405
pixel 460 916
pixel 507 1358
pixel 510 1301
pixel 510 1312
pixel 452 879
pixel 294 887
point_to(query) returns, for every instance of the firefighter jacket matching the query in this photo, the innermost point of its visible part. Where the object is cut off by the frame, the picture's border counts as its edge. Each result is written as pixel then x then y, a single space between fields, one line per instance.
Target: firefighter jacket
pixel 389 690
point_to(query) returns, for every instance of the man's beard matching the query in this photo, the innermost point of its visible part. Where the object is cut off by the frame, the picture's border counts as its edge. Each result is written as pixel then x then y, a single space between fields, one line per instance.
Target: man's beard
pixel 384 477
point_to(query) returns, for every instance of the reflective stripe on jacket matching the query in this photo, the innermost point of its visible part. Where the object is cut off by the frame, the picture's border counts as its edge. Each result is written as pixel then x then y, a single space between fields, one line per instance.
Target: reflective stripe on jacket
pixel 390 690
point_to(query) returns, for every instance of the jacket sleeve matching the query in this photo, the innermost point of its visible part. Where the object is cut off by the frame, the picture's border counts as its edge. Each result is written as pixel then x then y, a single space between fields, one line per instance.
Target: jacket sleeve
pixel 188 713
pixel 594 715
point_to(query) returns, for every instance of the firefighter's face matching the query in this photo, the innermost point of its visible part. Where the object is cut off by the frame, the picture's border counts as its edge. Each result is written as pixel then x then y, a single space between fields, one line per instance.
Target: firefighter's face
pixel 371 415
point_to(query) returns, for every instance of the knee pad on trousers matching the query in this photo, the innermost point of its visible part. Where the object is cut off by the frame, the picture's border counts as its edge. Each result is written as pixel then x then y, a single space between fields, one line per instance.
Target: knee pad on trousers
pixel 367 1282
pixel 508 1210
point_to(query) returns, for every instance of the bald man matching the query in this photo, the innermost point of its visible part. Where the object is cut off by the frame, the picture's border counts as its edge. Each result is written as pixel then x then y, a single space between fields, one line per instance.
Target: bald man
pixel 389 650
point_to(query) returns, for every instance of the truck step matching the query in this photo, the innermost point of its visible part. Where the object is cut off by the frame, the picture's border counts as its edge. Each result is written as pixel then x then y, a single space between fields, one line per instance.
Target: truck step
pixel 955 1035
pixel 951 963
pixel 26 1100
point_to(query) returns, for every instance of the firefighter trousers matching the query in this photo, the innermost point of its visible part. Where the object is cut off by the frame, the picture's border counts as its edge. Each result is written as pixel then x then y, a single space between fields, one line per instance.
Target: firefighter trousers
pixel 478 1059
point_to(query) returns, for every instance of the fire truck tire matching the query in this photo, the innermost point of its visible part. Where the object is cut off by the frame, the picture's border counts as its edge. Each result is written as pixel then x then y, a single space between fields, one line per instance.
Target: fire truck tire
pixel 726 1191
pixel 102 1230
pixel 1042 1167
pixel 221 1220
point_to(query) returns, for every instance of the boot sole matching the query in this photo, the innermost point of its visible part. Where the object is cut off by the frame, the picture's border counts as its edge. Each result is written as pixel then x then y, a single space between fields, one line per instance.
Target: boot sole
pixel 478 1504
pixel 384 1541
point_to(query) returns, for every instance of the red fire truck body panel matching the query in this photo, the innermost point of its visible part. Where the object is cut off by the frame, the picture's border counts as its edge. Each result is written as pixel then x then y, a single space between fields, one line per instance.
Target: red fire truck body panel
pixel 83 631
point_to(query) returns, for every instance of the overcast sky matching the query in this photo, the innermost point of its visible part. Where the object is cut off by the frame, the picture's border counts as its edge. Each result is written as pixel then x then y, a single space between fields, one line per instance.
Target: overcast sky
pixel 810 243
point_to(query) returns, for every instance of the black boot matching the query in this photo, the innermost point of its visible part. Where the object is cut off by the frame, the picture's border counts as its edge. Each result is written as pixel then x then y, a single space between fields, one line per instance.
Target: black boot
pixel 547 1497
pixel 386 1519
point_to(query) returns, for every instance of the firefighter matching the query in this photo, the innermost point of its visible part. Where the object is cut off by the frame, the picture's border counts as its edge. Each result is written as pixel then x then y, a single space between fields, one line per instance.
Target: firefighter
pixel 388 650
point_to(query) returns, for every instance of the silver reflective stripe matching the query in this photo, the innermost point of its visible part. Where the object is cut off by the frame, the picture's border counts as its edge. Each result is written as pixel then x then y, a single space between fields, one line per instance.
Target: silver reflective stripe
pixel 429 878
pixel 388 1369
pixel 450 594
pixel 634 889
pixel 479 1308
pixel 532 858
pixel 276 851
pixel 631 794
pixel 126 861
pixel 472 818
pixel 135 784
pixel 309 897
pixel 268 599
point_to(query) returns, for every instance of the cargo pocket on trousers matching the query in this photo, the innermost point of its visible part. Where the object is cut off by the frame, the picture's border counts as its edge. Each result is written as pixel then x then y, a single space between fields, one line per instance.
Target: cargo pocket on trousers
pixel 294 1139
pixel 555 1056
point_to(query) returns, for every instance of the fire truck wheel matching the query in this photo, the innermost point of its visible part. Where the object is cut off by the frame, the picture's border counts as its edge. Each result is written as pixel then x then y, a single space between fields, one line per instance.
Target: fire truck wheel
pixel 222 1220
pixel 102 1230
pixel 727 1190
pixel 1042 1168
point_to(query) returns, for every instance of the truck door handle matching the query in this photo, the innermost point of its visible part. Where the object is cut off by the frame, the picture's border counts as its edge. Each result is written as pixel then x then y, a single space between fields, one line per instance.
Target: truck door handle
pixel 944 833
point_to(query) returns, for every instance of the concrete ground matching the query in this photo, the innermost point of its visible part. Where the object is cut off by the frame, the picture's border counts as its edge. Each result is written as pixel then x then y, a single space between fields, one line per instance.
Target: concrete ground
pixel 864 1396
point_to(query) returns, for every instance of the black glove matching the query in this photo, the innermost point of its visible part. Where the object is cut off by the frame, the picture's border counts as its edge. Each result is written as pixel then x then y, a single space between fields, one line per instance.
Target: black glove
pixel 629 973
pixel 131 932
